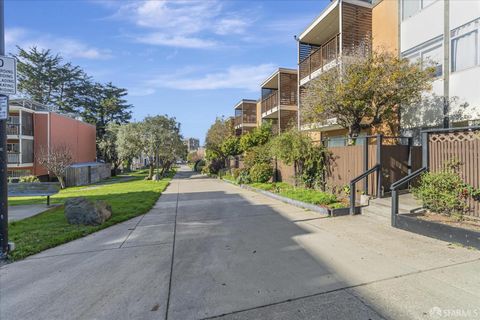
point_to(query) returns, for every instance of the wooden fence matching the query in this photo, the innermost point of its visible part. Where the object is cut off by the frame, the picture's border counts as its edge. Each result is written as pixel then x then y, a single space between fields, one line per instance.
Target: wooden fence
pixel 87 174
pixel 462 146
pixel 348 162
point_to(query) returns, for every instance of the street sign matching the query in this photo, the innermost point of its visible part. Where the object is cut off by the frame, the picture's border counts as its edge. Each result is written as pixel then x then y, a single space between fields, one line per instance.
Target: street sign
pixel 3 108
pixel 8 75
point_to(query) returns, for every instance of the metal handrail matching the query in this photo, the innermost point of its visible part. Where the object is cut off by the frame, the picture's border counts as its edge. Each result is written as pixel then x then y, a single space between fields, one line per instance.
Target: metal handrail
pixel 394 188
pixel 353 188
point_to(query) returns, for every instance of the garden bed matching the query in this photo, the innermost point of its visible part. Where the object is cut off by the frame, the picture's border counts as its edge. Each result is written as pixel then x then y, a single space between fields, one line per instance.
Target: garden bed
pixel 433 228
pixel 322 202
pixel 473 225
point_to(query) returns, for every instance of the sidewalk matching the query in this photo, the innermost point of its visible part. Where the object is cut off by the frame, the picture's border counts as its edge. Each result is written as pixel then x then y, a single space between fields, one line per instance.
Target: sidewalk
pixel 240 255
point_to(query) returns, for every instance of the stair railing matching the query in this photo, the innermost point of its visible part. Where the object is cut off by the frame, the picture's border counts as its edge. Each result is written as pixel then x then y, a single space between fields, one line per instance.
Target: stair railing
pixel 376 168
pixel 394 188
pixel 353 187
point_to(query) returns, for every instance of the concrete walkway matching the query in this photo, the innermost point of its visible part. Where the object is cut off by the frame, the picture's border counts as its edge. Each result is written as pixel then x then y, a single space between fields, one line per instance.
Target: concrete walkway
pixel 212 250
pixel 16 213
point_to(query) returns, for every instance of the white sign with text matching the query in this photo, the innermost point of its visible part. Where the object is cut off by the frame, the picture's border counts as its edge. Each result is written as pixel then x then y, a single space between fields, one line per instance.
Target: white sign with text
pixel 8 75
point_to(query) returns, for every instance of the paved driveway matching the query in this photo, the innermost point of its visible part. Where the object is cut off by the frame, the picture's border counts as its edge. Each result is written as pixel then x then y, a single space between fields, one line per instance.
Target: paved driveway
pixel 212 250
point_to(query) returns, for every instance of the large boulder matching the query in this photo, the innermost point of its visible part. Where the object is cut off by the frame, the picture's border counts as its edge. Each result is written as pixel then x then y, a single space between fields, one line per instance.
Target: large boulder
pixel 83 211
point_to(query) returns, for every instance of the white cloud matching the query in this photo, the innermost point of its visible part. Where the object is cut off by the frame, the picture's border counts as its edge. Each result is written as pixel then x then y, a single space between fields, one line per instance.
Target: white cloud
pixel 182 23
pixel 67 47
pixel 235 77
pixel 176 41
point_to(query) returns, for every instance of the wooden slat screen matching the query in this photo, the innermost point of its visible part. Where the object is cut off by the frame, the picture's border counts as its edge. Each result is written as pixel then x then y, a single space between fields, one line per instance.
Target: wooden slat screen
pixel 462 146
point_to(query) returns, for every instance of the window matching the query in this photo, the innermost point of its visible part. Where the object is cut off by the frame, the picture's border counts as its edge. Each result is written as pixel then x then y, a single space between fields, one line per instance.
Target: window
pixel 465 46
pixel 411 7
pixel 465 51
pixel 429 53
pixel 433 57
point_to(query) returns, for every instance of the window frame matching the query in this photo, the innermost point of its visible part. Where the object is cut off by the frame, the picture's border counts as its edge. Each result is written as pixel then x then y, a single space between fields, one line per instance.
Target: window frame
pixel 477 47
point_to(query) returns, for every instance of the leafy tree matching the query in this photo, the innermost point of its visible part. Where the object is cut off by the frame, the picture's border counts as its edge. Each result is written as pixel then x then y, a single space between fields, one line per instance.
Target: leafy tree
pixel 256 137
pixel 108 146
pixel 104 104
pixel 128 144
pixel 231 146
pixel 45 78
pixel 366 91
pixel 161 141
pixel 220 130
pixel 310 160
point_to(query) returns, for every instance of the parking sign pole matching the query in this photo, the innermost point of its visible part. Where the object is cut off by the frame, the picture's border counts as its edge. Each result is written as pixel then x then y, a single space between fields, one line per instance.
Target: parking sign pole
pixel 3 153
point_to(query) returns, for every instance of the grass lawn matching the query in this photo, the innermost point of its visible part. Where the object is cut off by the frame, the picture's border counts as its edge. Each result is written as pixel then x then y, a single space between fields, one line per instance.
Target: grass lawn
pixel 306 195
pixel 128 198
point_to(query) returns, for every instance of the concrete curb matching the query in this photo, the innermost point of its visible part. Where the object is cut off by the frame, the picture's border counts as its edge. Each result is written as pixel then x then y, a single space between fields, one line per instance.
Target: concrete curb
pixel 296 203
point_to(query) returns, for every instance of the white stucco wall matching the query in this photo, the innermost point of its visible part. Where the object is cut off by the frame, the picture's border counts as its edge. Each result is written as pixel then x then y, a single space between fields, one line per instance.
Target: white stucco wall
pixel 422 26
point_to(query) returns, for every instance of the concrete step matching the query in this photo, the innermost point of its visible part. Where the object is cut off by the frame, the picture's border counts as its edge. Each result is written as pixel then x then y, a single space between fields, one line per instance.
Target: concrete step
pixel 382 206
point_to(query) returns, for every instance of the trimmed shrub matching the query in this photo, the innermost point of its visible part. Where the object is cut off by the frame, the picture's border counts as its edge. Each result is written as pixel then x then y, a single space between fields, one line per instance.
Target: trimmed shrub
pixel 244 177
pixel 443 192
pixel 261 172
pixel 235 172
pixel 28 179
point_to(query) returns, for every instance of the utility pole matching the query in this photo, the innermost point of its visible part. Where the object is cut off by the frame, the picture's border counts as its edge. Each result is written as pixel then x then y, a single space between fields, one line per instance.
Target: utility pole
pixel 3 154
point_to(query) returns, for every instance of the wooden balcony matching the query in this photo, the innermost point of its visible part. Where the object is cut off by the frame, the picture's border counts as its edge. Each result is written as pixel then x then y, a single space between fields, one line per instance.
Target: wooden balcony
pixel 245 119
pixel 343 29
pixel 324 57
pixel 270 102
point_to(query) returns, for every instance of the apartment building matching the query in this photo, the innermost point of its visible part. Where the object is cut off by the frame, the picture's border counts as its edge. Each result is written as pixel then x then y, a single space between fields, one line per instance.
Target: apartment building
pixel 279 99
pixel 192 144
pixel 342 27
pixel 445 33
pixel 32 127
pixel 245 116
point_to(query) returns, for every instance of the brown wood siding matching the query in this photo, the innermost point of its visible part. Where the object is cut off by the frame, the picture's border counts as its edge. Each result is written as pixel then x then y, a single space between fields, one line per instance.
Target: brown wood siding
pixel 288 89
pixel 458 146
pixel 356 26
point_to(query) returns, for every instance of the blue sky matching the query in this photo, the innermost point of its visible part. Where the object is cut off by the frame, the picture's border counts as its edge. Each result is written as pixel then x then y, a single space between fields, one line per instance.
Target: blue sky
pixel 190 59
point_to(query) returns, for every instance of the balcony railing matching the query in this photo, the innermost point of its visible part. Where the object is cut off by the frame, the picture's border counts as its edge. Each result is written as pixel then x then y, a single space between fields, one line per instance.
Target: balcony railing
pixel 13 129
pixel 320 57
pixel 270 102
pixel 246 118
pixel 13 158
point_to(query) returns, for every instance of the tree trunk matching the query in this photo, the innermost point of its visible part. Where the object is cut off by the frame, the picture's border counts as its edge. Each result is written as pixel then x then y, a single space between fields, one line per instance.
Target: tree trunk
pixel 62 182
pixel 151 167
pixel 353 133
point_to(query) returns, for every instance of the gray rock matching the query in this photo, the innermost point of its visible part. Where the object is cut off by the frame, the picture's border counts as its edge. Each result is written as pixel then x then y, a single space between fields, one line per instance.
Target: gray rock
pixel 83 211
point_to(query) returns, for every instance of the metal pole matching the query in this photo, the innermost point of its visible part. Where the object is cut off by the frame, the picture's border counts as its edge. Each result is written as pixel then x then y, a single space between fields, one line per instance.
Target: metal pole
pixel 425 150
pixel 365 165
pixel 3 157
pixel 379 165
pixel 409 161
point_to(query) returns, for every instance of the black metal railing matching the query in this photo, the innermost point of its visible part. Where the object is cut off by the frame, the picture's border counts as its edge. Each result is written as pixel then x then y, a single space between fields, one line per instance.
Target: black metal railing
pixel 396 185
pixel 353 188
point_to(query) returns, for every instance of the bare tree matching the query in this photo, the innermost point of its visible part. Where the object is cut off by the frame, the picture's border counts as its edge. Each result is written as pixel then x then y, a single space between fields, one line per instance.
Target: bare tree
pixel 56 161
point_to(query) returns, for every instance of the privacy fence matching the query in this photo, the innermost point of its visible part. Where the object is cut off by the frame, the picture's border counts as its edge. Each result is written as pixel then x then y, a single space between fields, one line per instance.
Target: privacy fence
pixel 396 157
pixel 458 145
pixel 84 174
